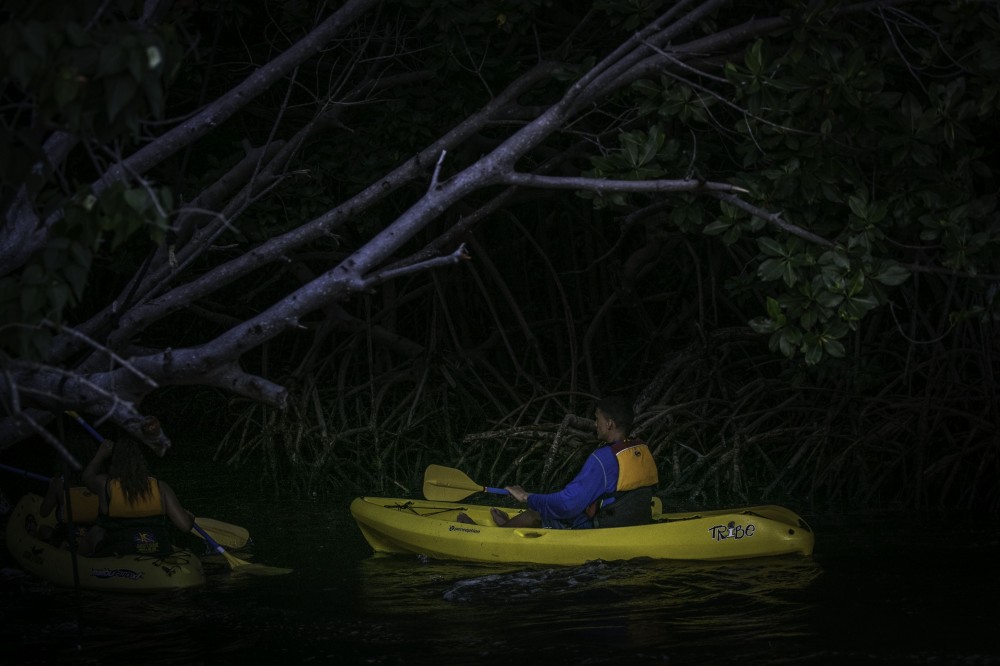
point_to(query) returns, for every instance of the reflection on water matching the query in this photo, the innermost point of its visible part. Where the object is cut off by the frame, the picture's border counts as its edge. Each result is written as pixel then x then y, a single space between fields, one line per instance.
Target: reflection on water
pixel 871 594
pixel 599 611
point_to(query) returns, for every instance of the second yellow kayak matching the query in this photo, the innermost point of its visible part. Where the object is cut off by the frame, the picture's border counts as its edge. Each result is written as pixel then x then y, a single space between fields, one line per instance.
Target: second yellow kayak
pixel 431 528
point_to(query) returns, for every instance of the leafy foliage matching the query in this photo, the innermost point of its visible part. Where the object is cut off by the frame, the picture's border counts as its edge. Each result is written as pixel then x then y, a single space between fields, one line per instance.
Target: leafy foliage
pixel 841 137
pixel 100 82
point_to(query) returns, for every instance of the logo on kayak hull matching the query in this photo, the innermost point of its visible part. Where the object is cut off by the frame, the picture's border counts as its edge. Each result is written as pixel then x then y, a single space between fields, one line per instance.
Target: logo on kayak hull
pixel 456 528
pixel 732 531
pixel 127 574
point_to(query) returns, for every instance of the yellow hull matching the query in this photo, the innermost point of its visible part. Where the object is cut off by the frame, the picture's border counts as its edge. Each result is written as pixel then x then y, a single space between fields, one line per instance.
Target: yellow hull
pixel 424 527
pixel 127 573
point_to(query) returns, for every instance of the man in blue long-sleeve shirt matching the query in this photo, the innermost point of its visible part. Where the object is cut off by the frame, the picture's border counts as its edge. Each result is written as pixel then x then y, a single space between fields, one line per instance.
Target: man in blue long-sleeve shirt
pixel 613 489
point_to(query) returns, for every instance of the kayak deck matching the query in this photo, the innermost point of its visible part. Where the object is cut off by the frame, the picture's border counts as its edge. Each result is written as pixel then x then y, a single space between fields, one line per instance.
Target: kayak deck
pixel 431 528
pixel 124 573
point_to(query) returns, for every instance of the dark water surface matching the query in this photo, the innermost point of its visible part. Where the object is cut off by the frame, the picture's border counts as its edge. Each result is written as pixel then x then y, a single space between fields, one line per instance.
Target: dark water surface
pixel 888 591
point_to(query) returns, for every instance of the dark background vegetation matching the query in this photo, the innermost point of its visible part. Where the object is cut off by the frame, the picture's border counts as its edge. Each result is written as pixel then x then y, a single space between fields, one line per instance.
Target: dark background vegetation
pixel 798 289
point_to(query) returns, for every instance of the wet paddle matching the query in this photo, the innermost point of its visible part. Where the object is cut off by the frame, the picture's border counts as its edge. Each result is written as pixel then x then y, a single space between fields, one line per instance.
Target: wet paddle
pixel 229 535
pixel 235 563
pixel 447 484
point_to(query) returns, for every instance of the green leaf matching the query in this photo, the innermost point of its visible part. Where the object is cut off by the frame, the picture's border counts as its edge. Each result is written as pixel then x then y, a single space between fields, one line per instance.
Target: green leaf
pixel 732 235
pixel 80 254
pixel 763 325
pixel 836 328
pixel 631 146
pixel 771 269
pixel 814 354
pixel 121 90
pixel 833 347
pixel 59 296
pixel 771 247
pixel 787 346
pixel 647 87
pixel 856 308
pixel 858 206
pixel 652 145
pixel 893 276
pixel 828 299
pixel 137 199
pixel 153 57
pixel 154 96
pixel 857 283
pixel 717 227
pixel 111 61
pixel 774 308
pixel 166 199
pixel 878 212
pixel 754 60
pixel 790 275
pixel 76 277
pixel 836 257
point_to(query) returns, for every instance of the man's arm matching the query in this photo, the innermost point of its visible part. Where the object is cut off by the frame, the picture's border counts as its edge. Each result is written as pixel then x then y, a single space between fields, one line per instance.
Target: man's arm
pixel 589 484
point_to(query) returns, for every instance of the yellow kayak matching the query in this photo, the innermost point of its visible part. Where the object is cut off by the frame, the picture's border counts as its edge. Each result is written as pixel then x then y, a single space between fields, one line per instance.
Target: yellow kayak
pixel 126 573
pixel 431 528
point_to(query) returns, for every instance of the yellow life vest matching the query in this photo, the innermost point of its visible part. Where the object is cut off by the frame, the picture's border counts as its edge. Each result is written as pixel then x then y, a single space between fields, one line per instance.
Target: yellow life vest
pixel 636 467
pixel 119 507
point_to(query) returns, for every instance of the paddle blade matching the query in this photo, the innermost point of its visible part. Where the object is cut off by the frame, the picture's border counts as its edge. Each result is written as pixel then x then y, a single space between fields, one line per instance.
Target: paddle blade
pixel 243 567
pixel 227 534
pixel 235 563
pixel 447 484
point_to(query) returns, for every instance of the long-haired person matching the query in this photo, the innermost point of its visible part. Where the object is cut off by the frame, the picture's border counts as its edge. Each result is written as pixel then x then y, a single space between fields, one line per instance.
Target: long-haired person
pixel 136 509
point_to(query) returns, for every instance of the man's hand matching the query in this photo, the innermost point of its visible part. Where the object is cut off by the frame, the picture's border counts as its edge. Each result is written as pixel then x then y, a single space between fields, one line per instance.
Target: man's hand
pixel 518 493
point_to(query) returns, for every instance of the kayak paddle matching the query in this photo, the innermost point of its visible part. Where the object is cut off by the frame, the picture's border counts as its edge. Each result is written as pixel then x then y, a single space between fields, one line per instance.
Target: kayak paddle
pixel 235 563
pixel 86 426
pixel 24 472
pixel 229 535
pixel 447 484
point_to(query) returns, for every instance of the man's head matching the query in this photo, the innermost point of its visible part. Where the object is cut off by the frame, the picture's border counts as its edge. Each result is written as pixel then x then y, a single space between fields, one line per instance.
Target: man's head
pixel 614 416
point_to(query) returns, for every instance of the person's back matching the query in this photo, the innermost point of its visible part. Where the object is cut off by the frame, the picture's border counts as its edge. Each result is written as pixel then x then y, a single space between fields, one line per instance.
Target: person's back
pixel 135 508
pixel 637 477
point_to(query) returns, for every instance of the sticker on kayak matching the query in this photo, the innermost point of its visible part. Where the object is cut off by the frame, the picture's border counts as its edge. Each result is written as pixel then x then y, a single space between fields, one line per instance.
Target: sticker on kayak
pixel 456 528
pixel 116 573
pixel 731 531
